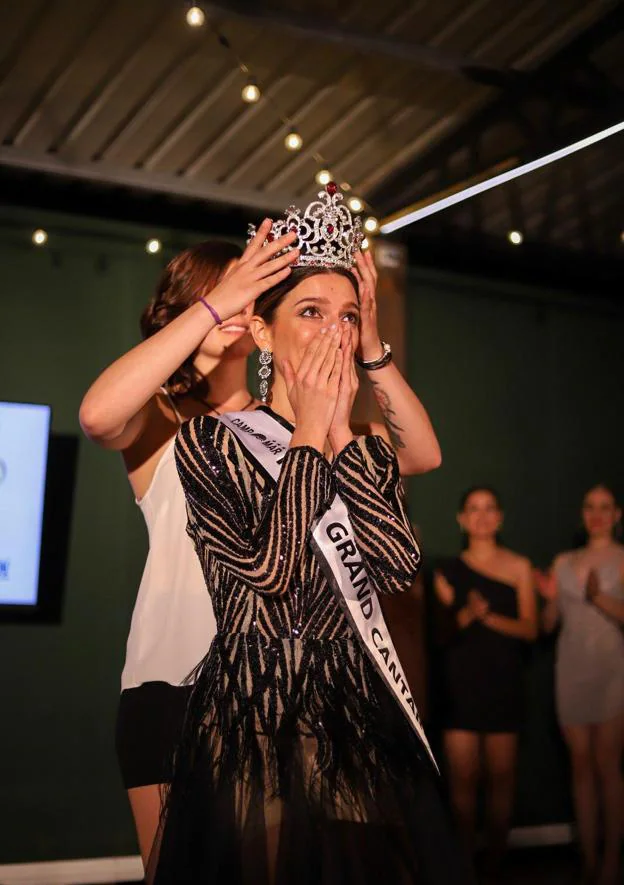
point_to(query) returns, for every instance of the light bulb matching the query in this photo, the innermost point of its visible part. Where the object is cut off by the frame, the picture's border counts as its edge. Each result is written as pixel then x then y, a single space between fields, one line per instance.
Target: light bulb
pixel 153 246
pixel 355 204
pixel 515 237
pixel 251 92
pixel 40 237
pixel 371 224
pixel 293 141
pixel 195 16
pixel 323 177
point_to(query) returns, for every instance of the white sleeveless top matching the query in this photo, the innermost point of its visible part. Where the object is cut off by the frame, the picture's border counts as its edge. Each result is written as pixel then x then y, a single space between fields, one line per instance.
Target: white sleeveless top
pixel 173 622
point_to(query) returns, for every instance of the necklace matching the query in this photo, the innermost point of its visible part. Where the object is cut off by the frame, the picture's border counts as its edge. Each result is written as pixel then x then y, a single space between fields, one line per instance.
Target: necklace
pixel 218 412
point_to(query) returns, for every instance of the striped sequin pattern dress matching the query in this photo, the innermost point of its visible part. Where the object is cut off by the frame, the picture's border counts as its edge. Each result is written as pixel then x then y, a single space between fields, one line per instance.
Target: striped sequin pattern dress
pixel 296 763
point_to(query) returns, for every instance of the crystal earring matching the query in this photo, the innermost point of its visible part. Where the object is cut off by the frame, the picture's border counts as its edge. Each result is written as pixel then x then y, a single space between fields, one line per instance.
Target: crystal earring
pixel 264 372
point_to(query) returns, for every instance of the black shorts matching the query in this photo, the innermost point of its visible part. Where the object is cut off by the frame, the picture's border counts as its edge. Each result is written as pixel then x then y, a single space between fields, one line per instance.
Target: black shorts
pixel 149 726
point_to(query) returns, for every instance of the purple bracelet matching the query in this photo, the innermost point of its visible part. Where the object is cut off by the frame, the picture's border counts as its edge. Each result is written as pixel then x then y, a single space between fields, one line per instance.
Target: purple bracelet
pixel 214 313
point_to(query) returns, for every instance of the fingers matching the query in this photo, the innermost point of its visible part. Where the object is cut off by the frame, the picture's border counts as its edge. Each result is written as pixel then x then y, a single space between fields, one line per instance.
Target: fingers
pixel 266 268
pixel 370 262
pixel 264 253
pixel 257 242
pixel 310 351
pixel 269 282
pixel 325 357
pixel 333 381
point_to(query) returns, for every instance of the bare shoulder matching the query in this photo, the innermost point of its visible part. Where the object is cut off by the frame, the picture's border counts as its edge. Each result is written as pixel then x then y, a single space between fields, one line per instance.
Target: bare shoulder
pixel 514 560
pixel 563 558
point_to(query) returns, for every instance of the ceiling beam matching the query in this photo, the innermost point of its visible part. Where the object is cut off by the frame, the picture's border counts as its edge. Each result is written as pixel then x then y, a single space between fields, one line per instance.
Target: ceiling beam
pixel 392 193
pixel 315 28
pixel 139 179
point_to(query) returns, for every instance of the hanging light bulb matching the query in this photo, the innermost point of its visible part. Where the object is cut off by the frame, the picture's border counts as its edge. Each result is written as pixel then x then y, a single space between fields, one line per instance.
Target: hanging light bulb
pixel 40 237
pixel 293 141
pixel 195 16
pixel 515 237
pixel 153 246
pixel 323 177
pixel 355 204
pixel 251 91
pixel 371 224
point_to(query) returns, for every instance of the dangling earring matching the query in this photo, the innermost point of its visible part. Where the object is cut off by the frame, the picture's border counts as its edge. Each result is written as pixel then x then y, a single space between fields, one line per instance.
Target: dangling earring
pixel 264 372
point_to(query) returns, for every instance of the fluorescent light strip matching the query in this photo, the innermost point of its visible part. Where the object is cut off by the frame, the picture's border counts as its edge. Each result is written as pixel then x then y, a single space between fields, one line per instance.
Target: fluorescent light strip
pixel 459 197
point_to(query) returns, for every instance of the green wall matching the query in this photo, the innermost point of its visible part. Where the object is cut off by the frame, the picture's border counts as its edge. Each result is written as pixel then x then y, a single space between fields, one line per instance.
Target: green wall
pixel 522 390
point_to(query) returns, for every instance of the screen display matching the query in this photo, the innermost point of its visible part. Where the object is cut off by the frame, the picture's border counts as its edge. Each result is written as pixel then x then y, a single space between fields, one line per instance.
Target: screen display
pixel 24 435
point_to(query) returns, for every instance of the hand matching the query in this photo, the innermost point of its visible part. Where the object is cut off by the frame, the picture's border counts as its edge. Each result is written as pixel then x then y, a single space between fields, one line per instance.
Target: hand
pixel 546 584
pixel 313 388
pixel 257 270
pixel 370 347
pixel 477 605
pixel 592 587
pixel 340 431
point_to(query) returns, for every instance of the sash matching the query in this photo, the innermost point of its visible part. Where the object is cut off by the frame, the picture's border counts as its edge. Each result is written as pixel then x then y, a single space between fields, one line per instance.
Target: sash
pixel 333 543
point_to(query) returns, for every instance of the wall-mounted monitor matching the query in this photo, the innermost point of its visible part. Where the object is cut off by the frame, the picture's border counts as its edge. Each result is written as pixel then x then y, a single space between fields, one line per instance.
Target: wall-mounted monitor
pixel 37 474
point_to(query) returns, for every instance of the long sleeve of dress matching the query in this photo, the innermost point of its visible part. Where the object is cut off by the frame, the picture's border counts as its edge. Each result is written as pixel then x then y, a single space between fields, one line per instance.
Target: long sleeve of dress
pixel 367 479
pixel 219 511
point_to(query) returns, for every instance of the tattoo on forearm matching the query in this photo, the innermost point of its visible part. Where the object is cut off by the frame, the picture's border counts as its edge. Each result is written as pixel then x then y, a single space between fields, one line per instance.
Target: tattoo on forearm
pixel 394 429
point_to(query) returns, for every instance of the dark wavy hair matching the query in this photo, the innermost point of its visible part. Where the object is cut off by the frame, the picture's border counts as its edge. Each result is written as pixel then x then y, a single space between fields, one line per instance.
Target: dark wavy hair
pixel 488 489
pixel 188 276
pixel 269 301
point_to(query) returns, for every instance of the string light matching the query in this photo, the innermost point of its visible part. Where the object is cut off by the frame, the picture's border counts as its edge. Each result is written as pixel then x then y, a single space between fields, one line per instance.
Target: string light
pixel 293 141
pixel 251 92
pixel 40 237
pixel 371 224
pixel 195 16
pixel 153 246
pixel 515 237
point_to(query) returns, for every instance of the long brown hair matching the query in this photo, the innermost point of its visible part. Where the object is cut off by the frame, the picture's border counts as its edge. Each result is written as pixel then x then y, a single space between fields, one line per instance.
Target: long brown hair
pixel 188 276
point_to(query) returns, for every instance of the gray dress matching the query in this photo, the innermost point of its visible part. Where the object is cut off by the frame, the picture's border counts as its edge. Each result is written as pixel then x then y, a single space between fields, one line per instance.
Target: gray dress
pixel 590 648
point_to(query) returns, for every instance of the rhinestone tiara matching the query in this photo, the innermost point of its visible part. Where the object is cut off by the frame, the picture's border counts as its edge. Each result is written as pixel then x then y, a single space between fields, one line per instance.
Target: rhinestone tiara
pixel 327 233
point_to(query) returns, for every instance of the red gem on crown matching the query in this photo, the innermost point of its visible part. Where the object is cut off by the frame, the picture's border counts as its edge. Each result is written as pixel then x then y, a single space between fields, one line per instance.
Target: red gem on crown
pixel 330 228
pixel 332 188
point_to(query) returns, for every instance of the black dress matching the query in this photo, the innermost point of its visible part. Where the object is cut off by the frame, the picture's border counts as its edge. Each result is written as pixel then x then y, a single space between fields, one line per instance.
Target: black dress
pixel 297 767
pixel 481 670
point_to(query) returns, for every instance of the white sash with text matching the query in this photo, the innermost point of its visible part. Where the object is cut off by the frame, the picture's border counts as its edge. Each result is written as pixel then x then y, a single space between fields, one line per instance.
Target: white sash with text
pixel 335 548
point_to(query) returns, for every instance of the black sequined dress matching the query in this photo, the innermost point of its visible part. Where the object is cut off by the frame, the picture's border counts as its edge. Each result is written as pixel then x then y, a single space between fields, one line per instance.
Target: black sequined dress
pixel 297 767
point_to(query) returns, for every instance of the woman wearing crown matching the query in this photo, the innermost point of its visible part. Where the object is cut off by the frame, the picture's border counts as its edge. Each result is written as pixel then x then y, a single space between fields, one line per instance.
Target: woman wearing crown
pixel 303 758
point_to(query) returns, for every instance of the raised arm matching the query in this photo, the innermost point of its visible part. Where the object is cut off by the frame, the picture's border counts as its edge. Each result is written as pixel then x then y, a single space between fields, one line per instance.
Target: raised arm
pixel 114 412
pixel 407 425
pixel 367 479
pixel 265 559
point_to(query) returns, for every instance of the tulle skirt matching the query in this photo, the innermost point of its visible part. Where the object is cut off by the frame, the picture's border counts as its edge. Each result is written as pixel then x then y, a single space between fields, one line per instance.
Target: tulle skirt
pixel 297 767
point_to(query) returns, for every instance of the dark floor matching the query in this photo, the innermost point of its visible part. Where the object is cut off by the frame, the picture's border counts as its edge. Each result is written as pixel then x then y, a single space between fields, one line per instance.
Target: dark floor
pixel 535 866
pixel 539 866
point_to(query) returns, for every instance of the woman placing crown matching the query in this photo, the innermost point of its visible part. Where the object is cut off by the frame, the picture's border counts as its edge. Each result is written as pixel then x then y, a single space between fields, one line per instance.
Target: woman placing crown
pixel 303 758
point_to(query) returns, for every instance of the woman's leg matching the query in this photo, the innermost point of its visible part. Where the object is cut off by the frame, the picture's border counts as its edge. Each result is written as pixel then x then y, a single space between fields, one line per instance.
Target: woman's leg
pixel 579 741
pixel 608 740
pixel 146 803
pixel 462 755
pixel 501 752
